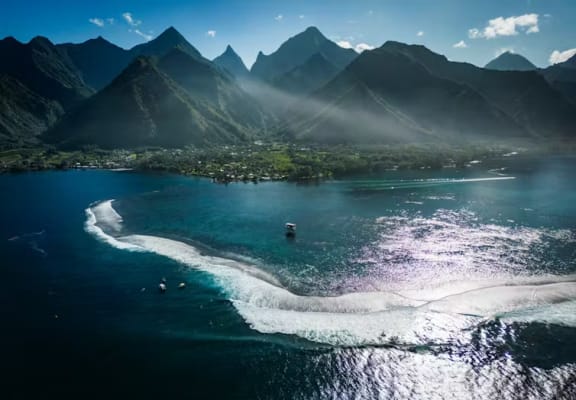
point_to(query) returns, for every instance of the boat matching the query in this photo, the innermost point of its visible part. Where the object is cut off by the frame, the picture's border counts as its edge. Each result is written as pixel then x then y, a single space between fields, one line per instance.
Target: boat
pixel 290 229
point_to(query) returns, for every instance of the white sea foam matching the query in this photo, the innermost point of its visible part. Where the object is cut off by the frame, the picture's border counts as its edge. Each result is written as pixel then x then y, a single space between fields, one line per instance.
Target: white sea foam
pixel 110 217
pixel 436 313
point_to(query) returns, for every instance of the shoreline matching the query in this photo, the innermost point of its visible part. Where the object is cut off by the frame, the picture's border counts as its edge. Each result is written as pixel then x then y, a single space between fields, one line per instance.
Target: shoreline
pixel 270 163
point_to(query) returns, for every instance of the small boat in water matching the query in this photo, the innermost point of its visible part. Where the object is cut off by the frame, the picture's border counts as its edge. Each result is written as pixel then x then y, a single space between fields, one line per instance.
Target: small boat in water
pixel 290 229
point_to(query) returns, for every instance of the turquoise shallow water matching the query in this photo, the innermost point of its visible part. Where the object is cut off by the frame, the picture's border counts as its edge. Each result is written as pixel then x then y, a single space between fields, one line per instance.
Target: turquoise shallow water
pixel 426 284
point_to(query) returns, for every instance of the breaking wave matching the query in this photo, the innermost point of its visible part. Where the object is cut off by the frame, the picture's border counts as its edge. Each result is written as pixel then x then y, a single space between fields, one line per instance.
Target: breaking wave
pixel 438 313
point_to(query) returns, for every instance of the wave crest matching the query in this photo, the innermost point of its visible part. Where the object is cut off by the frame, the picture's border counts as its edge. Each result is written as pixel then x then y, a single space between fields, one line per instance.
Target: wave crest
pixel 410 316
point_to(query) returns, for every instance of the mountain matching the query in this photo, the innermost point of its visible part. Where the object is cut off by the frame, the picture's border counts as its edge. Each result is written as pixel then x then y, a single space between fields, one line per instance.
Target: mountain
pixel 296 51
pixel 525 96
pixel 562 77
pixel 144 106
pixel 308 77
pixel 204 81
pixel 38 82
pixel 164 43
pixel 44 69
pixel 98 60
pixel 231 62
pixel 23 113
pixel 386 97
pixel 511 62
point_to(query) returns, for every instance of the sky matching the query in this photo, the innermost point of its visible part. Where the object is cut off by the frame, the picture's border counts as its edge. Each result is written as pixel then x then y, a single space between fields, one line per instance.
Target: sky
pixel 474 31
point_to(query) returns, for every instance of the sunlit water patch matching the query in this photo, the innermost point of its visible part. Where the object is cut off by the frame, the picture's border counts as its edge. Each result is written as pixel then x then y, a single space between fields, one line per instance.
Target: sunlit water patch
pixel 431 281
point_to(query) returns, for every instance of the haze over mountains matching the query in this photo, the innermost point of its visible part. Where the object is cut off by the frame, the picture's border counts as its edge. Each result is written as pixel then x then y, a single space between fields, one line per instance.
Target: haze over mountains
pixel 165 93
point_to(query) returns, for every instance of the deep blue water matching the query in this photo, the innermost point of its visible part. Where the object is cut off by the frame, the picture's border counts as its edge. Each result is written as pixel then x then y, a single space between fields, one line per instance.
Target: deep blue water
pixel 427 284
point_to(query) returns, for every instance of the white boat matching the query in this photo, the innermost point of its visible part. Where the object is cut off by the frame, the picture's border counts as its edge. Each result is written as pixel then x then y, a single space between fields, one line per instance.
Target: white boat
pixel 290 229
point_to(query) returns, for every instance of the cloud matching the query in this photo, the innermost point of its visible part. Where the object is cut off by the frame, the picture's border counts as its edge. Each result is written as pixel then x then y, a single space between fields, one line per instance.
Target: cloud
pixel 211 33
pixel 301 16
pixel 130 19
pixel 506 27
pixel 344 44
pixel 460 45
pixel 359 48
pixel 279 17
pixel 561 56
pixel 420 34
pixel 142 34
pixel 474 33
pixel 97 21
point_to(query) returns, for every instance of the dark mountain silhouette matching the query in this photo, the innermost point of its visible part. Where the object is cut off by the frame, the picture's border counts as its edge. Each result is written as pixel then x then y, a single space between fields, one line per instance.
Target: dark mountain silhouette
pixel 231 62
pixel 511 62
pixel 38 82
pixel 24 114
pixel 308 77
pixel 562 77
pixel 44 69
pixel 98 60
pixel 206 82
pixel 385 96
pixel 163 44
pixel 170 102
pixel 524 96
pixel 296 51
pixel 169 95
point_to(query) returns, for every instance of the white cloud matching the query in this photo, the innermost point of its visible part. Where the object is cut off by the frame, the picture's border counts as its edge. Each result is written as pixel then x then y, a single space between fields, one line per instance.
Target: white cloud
pixel 360 47
pixel 142 34
pixel 460 45
pixel 279 17
pixel 130 19
pixel 97 21
pixel 506 27
pixel 420 34
pixel 561 56
pixel 474 33
pixel 344 44
pixel 211 33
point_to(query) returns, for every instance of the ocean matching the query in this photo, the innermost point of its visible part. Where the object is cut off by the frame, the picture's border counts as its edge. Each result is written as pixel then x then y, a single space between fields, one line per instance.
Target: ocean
pixel 451 284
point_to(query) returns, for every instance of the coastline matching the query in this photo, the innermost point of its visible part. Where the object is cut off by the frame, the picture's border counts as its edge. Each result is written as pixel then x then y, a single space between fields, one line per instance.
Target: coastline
pixel 271 162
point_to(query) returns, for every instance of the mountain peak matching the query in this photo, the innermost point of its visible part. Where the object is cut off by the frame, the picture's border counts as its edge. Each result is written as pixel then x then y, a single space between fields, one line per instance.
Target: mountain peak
pixel 296 51
pixel 166 41
pixel 231 61
pixel 170 34
pixel 230 51
pixel 40 40
pixel 313 30
pixel 509 61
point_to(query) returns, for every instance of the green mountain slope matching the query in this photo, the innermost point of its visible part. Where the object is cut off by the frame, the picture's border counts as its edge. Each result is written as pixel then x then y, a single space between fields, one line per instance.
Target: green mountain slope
pixel 145 107
pixel 384 96
pixel 525 97
pixel 23 113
